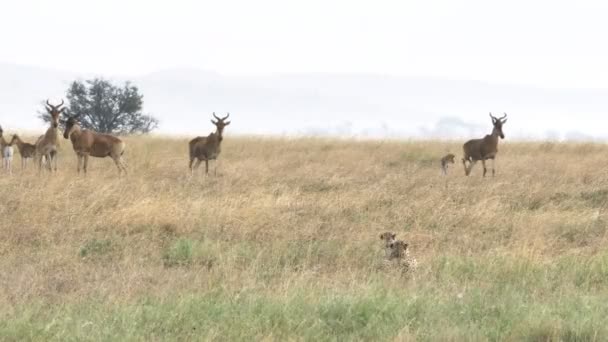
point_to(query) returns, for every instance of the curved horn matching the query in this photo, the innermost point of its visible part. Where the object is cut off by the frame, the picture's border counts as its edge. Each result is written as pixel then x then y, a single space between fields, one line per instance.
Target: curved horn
pixel 49 104
pixel 226 117
pixel 215 116
pixel 61 104
pixel 504 117
pixel 493 118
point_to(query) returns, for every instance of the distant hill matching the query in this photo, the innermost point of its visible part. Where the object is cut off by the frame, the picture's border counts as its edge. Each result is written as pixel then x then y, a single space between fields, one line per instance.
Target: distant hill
pixel 328 104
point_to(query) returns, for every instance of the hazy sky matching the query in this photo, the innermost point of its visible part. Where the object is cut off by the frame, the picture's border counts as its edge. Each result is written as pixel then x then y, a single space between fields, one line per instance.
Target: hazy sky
pixel 545 42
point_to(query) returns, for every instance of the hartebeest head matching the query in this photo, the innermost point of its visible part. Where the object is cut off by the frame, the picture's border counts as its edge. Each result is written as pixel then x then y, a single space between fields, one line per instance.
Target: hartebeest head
pixel 220 123
pixel 69 125
pixel 498 122
pixel 54 111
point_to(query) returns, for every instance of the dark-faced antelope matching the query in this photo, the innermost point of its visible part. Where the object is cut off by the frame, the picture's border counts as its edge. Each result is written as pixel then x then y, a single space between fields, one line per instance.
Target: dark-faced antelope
pixel 48 144
pixel 209 147
pixel 485 148
pixel 6 148
pixel 90 143
pixel 26 150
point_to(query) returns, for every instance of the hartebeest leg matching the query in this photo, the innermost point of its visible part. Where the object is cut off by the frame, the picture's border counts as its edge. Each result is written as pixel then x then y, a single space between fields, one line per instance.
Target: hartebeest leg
pixel 122 164
pixel 86 163
pixel 55 157
pixel 207 166
pixel 471 164
pixel 197 164
pixel 119 165
pixel 483 162
pixel 493 169
pixel 79 165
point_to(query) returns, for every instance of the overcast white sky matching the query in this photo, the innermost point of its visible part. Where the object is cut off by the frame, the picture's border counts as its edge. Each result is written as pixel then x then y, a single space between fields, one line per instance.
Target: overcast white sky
pixel 549 43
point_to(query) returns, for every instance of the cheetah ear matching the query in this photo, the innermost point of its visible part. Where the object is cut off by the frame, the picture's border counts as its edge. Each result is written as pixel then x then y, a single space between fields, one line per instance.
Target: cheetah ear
pixel 394 235
pixel 381 236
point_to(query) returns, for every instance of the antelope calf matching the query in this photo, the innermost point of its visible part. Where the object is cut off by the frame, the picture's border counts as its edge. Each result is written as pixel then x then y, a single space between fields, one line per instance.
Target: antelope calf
pixel 7 153
pixel 48 144
pixel 26 150
pixel 445 161
pixel 485 148
pixel 209 147
pixel 90 143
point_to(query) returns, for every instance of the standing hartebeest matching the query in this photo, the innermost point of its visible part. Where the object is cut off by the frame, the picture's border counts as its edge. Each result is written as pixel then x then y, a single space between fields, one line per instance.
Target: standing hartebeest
pixel 209 147
pixel 47 144
pixel 485 148
pixel 90 143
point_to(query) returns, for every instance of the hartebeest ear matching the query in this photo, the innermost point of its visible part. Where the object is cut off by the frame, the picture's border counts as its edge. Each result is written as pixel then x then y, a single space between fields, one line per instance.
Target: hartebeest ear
pixel 213 122
pixel 226 123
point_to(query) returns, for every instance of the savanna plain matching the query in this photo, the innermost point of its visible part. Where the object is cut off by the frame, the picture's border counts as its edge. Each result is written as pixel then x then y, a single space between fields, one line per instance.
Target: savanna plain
pixel 283 244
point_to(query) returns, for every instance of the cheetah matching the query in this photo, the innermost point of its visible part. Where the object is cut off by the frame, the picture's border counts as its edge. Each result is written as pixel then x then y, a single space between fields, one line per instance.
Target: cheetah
pixel 397 253
pixel 389 238
pixel 445 161
pixel 401 255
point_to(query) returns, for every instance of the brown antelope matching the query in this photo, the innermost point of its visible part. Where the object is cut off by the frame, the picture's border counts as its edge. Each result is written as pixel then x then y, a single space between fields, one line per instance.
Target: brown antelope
pixel 445 161
pixel 26 150
pixel 48 144
pixel 90 143
pixel 6 149
pixel 209 147
pixel 485 148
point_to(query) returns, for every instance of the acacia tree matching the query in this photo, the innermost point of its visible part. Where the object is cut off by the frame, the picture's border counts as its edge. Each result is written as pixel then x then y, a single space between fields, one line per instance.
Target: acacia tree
pixel 106 108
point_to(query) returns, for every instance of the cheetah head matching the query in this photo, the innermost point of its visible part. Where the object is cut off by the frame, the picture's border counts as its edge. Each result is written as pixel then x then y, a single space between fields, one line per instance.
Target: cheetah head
pixel 389 238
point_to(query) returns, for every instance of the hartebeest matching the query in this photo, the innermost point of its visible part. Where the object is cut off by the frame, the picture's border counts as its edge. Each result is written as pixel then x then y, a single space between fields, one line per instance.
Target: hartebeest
pixel 90 143
pixel 48 144
pixel 485 148
pixel 6 149
pixel 209 147
pixel 26 150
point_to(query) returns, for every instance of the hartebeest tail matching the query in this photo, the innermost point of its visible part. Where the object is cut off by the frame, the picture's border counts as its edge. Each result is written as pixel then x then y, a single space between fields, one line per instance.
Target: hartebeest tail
pixel 485 148
pixel 48 144
pixel 26 150
pixel 90 143
pixel 209 147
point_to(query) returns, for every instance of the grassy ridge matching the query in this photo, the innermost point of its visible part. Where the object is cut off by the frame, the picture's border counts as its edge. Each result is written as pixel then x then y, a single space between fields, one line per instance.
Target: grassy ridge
pixel 283 244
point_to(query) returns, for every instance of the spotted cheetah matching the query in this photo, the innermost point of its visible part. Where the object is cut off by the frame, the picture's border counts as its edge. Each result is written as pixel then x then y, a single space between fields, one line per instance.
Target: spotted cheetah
pixel 396 253
pixel 389 239
pixel 401 255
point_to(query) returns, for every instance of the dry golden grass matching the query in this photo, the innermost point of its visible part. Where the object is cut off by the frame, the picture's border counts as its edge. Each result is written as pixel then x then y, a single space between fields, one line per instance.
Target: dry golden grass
pixel 297 222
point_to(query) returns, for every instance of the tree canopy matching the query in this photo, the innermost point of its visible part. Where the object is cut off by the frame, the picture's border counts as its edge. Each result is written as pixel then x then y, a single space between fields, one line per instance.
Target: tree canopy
pixel 107 108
